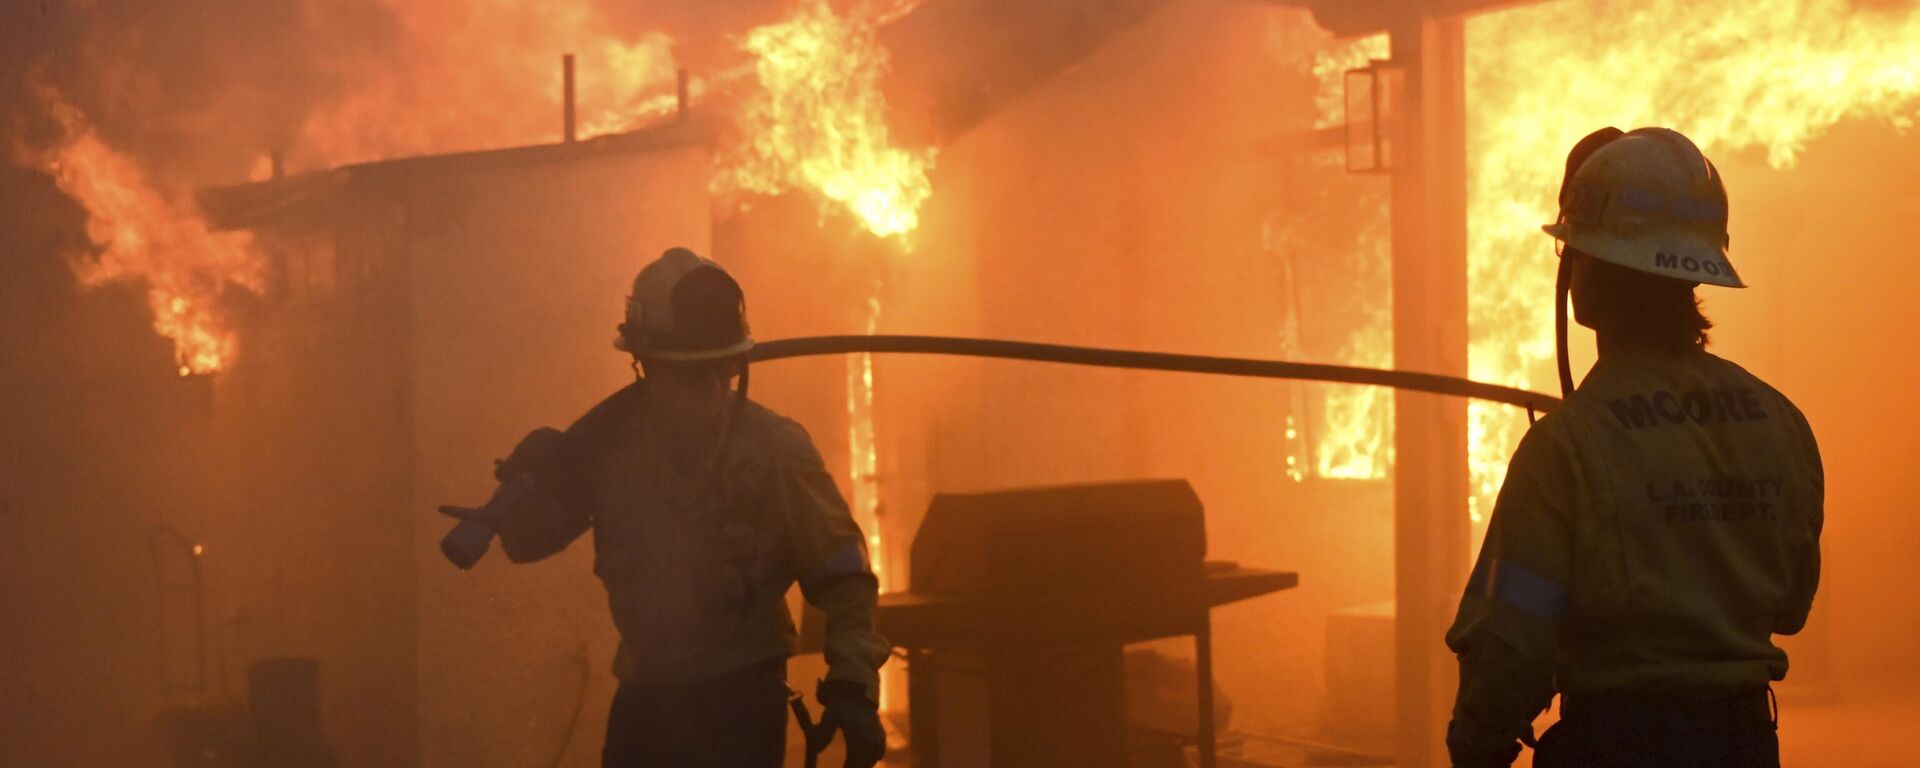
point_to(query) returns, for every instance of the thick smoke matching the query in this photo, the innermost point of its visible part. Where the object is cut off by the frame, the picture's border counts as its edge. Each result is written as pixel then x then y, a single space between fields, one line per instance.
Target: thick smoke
pixel 203 92
pixel 194 90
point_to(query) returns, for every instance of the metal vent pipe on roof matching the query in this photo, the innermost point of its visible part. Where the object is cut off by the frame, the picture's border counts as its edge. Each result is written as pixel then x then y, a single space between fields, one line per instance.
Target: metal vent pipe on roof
pixel 566 97
pixel 681 93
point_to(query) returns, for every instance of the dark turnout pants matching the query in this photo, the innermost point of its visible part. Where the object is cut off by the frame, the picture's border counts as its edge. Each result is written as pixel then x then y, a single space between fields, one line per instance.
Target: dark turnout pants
pixel 1639 731
pixel 737 720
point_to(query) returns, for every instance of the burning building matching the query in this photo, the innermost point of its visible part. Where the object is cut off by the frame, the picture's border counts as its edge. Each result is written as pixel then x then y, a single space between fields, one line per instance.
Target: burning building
pixel 1355 183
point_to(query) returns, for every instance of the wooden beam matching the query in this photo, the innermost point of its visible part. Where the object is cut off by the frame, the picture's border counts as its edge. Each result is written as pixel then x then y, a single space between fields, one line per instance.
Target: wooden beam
pixel 1429 227
pixel 1366 17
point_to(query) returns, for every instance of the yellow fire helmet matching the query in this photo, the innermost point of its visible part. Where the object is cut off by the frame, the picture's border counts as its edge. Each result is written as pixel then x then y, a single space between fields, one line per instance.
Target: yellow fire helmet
pixel 1650 201
pixel 684 307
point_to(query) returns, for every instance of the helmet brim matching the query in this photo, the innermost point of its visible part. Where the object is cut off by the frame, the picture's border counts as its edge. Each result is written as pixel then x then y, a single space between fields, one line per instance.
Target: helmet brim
pixel 1679 254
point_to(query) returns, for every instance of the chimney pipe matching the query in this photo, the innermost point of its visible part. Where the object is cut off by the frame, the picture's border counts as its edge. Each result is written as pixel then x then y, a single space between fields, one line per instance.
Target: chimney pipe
pixel 682 93
pixel 566 85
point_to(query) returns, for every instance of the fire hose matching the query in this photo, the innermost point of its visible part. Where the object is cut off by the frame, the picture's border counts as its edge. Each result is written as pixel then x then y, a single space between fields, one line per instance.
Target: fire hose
pixel 470 540
pixel 1433 383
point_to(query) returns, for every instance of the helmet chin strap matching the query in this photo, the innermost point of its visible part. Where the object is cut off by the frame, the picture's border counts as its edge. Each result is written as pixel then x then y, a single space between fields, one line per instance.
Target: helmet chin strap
pixel 1562 285
pixel 716 471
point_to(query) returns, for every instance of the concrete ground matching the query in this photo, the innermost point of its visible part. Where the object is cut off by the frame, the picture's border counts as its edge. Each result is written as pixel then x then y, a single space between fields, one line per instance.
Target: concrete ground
pixel 1860 728
pixel 1857 730
pixel 1863 727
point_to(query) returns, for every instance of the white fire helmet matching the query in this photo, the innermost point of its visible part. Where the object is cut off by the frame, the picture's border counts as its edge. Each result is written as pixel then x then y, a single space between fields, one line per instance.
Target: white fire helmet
pixel 1649 201
pixel 685 308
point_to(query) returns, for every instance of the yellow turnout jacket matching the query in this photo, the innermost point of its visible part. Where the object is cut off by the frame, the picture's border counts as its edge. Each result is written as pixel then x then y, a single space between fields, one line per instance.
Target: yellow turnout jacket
pixel 1652 535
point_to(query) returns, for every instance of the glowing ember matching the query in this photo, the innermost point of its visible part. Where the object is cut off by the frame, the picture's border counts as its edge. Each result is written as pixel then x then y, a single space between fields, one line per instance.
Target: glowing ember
pixel 1733 76
pixel 817 122
pixel 146 236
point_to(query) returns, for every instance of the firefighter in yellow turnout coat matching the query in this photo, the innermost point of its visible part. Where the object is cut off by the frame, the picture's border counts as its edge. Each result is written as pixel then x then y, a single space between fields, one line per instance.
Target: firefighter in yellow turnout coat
pixel 1656 530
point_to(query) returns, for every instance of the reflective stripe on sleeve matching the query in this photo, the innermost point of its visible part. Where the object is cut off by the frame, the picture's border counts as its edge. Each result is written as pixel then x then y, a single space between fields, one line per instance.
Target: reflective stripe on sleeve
pixel 1529 591
pixel 1533 593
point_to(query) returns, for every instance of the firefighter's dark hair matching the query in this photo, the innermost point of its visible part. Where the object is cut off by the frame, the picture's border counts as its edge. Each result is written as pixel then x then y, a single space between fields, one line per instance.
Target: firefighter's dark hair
pixel 1648 310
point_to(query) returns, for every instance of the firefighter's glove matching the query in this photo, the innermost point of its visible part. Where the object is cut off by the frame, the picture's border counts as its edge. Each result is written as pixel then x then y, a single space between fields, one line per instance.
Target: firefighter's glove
pixel 847 709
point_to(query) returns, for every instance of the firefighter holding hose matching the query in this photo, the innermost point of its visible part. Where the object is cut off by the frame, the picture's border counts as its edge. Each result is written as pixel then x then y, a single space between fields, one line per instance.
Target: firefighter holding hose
pixel 705 508
pixel 1661 526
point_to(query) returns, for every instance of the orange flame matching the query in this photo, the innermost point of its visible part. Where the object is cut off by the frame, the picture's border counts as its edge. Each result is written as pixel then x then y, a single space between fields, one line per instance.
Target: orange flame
pixel 818 122
pixel 144 235
pixel 863 448
pixel 1769 75
pixel 863 452
pixel 1355 441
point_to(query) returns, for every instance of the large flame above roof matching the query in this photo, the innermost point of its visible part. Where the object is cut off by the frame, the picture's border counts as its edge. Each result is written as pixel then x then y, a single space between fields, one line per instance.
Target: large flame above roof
pixel 817 121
